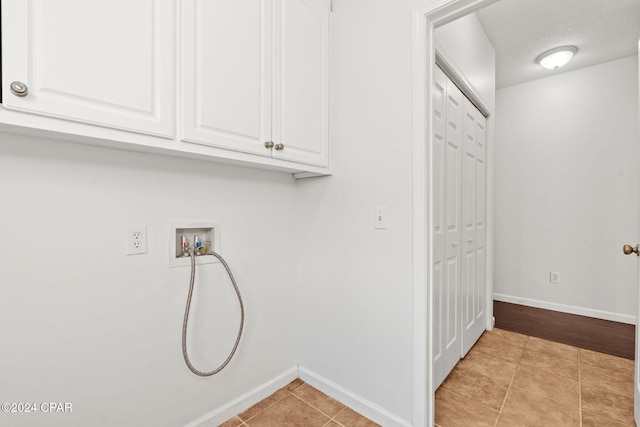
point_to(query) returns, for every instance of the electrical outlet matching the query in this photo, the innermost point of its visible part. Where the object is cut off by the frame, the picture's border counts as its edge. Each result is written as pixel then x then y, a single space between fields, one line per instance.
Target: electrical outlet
pixel 136 239
pixel 554 277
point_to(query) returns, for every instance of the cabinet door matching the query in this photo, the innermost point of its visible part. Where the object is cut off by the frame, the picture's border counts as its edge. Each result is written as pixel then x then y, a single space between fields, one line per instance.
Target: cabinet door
pixel 107 63
pixel 301 81
pixel 226 73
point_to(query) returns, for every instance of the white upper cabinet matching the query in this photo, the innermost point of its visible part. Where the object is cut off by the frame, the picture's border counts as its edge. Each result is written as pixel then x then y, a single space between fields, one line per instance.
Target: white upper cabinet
pixel 237 81
pixel 301 84
pixel 226 73
pixel 255 77
pixel 106 63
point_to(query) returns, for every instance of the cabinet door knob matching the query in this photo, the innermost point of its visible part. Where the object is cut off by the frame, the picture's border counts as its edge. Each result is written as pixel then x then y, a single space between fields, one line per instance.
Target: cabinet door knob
pixel 19 89
pixel 268 145
pixel 279 147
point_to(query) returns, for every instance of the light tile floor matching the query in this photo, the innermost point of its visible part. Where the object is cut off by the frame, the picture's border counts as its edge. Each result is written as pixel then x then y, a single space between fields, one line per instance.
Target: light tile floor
pixel 299 405
pixel 509 379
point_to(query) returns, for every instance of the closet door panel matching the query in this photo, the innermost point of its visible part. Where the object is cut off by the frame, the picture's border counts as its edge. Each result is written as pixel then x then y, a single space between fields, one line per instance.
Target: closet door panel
pixel 453 228
pixel 474 276
pixel 481 180
pixel 481 221
pixel 469 282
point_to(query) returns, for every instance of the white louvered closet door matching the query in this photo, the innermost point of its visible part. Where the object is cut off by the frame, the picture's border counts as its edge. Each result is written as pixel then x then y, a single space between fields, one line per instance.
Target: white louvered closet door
pixel 459 229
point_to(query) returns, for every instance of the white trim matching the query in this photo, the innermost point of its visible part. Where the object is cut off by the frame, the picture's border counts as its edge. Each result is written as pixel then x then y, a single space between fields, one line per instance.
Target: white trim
pixel 598 314
pixel 423 408
pixel 358 403
pixel 246 401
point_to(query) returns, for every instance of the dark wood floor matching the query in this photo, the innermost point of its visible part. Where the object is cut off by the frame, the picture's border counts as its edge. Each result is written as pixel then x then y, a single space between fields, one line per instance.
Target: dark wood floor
pixel 600 335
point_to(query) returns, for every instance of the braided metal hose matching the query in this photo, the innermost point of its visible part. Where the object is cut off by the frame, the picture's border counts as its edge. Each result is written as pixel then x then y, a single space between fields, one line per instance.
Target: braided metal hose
pixel 186 317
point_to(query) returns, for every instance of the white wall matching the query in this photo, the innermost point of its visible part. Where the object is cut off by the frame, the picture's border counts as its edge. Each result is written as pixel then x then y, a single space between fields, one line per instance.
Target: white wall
pixel 83 323
pixel 468 45
pixel 355 282
pixel 566 178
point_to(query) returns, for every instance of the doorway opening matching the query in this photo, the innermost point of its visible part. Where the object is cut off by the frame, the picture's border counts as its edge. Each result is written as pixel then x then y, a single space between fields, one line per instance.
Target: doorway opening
pixel 426 20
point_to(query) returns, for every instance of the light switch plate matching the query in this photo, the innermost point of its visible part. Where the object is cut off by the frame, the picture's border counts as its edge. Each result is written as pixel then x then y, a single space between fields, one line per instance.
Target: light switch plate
pixel 380 219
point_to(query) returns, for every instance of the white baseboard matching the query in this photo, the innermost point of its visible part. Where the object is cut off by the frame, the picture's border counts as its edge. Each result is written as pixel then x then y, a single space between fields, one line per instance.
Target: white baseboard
pixel 357 403
pixel 246 401
pixel 598 314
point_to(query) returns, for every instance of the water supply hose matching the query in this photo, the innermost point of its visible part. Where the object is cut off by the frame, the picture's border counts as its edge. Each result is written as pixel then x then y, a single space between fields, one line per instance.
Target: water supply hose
pixel 185 353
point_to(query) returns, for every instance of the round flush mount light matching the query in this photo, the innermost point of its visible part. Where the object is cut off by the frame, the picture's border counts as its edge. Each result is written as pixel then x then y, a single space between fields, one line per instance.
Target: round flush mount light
pixel 556 58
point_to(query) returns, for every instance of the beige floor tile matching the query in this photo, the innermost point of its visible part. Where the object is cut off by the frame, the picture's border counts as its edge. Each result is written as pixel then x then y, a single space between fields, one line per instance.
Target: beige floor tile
pixel 548 362
pixel 619 382
pixel 477 387
pixel 294 384
pixel 606 404
pixel 593 420
pixel 498 370
pixel 515 338
pixel 264 404
pixel 507 421
pixel 535 410
pixel 289 412
pixel 453 410
pixel 319 400
pixel 605 361
pixel 233 422
pixel 547 384
pixel 539 379
pixel 350 418
pixel 498 346
pixel 553 349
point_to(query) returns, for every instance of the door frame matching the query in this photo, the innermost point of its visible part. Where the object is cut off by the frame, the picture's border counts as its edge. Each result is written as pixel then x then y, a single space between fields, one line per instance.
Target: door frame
pixel 427 15
pixel 636 362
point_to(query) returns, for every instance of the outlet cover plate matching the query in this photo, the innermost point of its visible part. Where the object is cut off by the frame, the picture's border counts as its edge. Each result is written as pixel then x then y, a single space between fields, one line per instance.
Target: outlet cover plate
pixel 136 240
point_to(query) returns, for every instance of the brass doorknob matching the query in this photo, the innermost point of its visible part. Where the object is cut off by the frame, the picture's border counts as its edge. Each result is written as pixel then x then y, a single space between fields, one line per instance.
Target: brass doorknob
pixel 628 249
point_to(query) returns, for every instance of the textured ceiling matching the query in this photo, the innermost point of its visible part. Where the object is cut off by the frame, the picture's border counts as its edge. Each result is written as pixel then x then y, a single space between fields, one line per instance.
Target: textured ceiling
pixel 520 30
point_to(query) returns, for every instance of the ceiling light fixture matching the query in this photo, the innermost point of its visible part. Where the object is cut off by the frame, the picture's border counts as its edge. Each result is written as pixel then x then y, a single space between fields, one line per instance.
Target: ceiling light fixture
pixel 556 58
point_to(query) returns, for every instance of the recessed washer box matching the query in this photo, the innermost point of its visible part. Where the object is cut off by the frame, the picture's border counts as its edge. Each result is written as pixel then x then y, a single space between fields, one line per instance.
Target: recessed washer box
pixel 207 230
